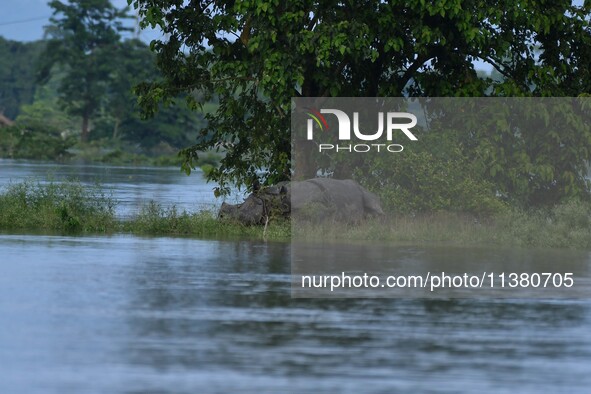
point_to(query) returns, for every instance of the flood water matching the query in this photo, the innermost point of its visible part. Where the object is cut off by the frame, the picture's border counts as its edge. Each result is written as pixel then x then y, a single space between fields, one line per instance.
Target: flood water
pixel 127 314
pixel 131 187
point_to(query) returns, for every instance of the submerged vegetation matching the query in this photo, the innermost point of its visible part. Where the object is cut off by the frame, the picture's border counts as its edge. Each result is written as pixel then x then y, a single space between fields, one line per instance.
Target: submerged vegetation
pixel 71 207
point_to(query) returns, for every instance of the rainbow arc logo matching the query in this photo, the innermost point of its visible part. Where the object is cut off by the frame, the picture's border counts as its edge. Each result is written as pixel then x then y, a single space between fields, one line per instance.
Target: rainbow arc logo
pixel 318 118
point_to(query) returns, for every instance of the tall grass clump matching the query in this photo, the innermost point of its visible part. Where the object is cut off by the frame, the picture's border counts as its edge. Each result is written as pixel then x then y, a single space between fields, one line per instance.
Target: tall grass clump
pixel 65 206
pixel 153 219
pixel 425 228
pixel 565 225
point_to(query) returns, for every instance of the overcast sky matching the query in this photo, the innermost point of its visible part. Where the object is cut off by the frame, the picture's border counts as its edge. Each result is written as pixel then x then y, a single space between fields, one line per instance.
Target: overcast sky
pixel 23 20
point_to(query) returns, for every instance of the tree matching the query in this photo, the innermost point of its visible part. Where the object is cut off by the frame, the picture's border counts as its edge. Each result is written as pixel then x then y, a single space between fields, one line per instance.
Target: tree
pixel 45 110
pixel 119 119
pixel 256 55
pixel 83 34
pixel 17 74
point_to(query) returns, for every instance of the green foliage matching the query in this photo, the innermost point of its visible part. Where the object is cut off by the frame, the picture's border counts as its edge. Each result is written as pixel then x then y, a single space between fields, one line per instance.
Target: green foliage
pixel 41 132
pixel 63 206
pixel 572 214
pixel 535 152
pixel 423 182
pixel 17 74
pixel 9 139
pixel 207 168
pixel 255 55
pixel 45 111
pixel 83 36
pixel 156 220
pixel 90 72
pixel 153 219
pixel 119 119
pixel 116 152
pixel 34 141
pixel 72 207
pixel 567 224
pixel 476 154
pixel 69 206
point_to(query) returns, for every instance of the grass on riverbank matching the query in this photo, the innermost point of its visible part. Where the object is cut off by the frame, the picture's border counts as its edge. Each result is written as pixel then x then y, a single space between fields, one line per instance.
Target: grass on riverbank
pixel 70 207
pixel 60 206
pixel 567 225
pixel 155 219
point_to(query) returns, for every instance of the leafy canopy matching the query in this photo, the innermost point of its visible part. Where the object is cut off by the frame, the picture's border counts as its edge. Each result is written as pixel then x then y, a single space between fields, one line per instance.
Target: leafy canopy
pixel 254 55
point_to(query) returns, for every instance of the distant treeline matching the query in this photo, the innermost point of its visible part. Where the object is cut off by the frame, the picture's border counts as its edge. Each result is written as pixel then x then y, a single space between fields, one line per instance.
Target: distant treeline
pixel 17 74
pixel 74 92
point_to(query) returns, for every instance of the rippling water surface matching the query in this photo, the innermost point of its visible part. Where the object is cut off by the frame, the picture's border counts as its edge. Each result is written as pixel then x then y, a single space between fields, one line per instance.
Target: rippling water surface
pixel 126 314
pixel 131 187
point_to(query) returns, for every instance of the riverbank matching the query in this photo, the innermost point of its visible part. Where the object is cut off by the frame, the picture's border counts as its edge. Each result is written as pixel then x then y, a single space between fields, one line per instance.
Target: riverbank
pixel 71 207
pixel 566 225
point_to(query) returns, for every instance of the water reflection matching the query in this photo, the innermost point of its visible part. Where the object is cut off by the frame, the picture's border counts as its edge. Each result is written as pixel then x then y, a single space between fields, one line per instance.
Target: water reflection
pixel 126 314
pixel 483 265
pixel 209 310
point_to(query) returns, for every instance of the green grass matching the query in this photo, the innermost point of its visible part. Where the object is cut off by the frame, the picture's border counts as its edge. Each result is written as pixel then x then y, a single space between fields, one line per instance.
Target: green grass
pixel 70 207
pixel 63 206
pixel 567 225
pixel 154 219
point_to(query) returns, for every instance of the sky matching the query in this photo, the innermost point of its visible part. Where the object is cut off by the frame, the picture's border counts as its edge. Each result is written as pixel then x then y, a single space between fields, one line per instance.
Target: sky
pixel 23 20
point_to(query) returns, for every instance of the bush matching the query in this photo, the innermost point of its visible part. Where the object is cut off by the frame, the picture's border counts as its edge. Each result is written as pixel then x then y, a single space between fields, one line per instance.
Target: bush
pixel 413 182
pixel 34 142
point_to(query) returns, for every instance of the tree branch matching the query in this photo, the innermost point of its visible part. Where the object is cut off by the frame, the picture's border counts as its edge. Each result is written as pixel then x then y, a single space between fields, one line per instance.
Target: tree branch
pixel 500 68
pixel 409 73
pixel 312 23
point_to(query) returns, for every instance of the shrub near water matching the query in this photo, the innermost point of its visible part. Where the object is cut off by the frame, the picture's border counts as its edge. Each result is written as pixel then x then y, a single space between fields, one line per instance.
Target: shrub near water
pixel 73 207
pixel 65 206
pixel 564 225
pixel 154 219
